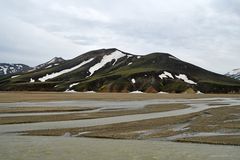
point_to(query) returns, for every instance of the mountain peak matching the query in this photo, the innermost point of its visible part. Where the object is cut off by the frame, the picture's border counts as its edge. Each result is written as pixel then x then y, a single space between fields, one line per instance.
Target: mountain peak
pixel 100 53
pixel 8 69
pixel 53 62
pixel 235 73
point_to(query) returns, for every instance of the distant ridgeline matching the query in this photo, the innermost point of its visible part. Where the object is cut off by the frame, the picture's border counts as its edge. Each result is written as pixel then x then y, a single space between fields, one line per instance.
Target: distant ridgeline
pixel 11 69
pixel 112 70
pixel 234 74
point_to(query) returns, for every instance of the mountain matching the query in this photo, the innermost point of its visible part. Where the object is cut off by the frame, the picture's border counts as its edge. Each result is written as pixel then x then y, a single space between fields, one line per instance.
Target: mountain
pixel 9 69
pixel 53 62
pixel 112 70
pixel 234 74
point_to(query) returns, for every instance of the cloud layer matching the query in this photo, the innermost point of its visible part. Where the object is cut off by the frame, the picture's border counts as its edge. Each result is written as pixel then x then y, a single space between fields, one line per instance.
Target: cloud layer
pixel 202 32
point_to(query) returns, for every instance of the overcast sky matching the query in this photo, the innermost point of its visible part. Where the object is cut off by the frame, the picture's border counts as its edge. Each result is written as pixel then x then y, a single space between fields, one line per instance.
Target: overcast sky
pixel 203 32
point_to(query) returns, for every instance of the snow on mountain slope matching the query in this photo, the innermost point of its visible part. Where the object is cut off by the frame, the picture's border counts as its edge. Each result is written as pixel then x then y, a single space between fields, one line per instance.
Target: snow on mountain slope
pixel 106 59
pixel 15 76
pixel 53 62
pixel 3 69
pixel 133 80
pixel 166 74
pixel 136 92
pixel 234 74
pixel 55 59
pixel 185 79
pixel 74 84
pixel 32 80
pixel 6 69
pixel 53 75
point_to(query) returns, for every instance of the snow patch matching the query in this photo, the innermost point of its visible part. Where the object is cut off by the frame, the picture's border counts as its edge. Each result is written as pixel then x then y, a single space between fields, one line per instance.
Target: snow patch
pixel 138 57
pixel 70 91
pixel 15 76
pixel 53 60
pixel 53 75
pixel 31 70
pixel 133 80
pixel 89 92
pixel 136 91
pixel 74 84
pixel 19 66
pixel 49 66
pixel 161 92
pixel 4 69
pixel 166 74
pixel 32 80
pixel 129 63
pixel 128 56
pixel 185 78
pixel 106 59
pixel 199 92
pixel 162 76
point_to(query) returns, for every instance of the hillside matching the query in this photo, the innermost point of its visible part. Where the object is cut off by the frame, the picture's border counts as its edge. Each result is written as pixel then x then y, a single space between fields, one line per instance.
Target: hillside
pixel 112 70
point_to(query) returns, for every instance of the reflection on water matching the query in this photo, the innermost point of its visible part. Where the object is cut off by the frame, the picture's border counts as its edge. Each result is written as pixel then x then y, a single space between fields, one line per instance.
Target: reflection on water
pixel 63 148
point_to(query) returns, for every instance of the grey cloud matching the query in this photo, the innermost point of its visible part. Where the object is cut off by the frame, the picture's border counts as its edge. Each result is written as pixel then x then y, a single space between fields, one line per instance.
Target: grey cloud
pixel 198 31
pixel 230 6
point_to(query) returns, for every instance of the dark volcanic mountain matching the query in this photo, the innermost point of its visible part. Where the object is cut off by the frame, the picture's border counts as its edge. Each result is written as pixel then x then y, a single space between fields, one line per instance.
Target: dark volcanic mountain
pixel 234 74
pixel 112 70
pixel 9 69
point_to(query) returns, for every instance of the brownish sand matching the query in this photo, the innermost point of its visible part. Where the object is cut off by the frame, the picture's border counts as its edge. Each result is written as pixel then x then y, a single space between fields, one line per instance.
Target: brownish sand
pixel 43 109
pixel 54 96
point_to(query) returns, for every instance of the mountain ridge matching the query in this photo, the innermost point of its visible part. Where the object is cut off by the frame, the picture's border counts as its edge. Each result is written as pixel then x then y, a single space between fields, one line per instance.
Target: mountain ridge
pixel 235 73
pixel 112 70
pixel 53 62
pixel 13 68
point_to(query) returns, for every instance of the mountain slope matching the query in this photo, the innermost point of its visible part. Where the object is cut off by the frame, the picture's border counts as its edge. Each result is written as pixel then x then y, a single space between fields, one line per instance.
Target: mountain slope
pixel 53 62
pixel 8 69
pixel 234 74
pixel 112 70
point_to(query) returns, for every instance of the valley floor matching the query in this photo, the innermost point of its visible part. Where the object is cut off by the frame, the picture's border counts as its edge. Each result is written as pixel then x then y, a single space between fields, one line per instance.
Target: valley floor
pixel 63 96
pixel 158 118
